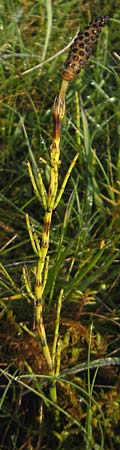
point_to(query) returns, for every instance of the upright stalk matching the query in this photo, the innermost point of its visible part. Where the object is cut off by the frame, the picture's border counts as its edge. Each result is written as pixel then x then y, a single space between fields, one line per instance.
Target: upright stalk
pixel 58 113
pixel 78 55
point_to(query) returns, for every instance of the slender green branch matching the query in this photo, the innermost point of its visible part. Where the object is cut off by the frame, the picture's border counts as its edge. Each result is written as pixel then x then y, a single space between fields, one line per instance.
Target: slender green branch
pixel 33 243
pixel 66 180
pixel 57 327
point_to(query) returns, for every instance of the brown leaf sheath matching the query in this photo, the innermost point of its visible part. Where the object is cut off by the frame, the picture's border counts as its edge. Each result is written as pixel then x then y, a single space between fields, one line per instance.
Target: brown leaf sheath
pixel 82 47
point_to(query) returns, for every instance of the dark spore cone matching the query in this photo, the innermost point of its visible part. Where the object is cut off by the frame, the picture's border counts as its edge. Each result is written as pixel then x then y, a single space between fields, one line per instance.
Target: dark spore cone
pixel 82 47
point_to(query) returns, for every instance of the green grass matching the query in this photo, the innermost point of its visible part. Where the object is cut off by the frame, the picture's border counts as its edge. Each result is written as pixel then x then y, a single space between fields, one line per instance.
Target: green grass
pixel 84 237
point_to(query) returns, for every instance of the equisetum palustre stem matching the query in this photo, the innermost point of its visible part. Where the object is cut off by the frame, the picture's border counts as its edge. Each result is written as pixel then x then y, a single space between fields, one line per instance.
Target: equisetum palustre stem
pixel 79 53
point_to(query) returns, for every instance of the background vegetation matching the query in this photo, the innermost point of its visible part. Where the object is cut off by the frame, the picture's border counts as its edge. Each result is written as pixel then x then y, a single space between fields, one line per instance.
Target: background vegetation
pixel 84 236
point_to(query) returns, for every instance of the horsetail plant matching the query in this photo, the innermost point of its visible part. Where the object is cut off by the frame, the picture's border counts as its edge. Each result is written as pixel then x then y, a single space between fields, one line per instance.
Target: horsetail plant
pixel 78 55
